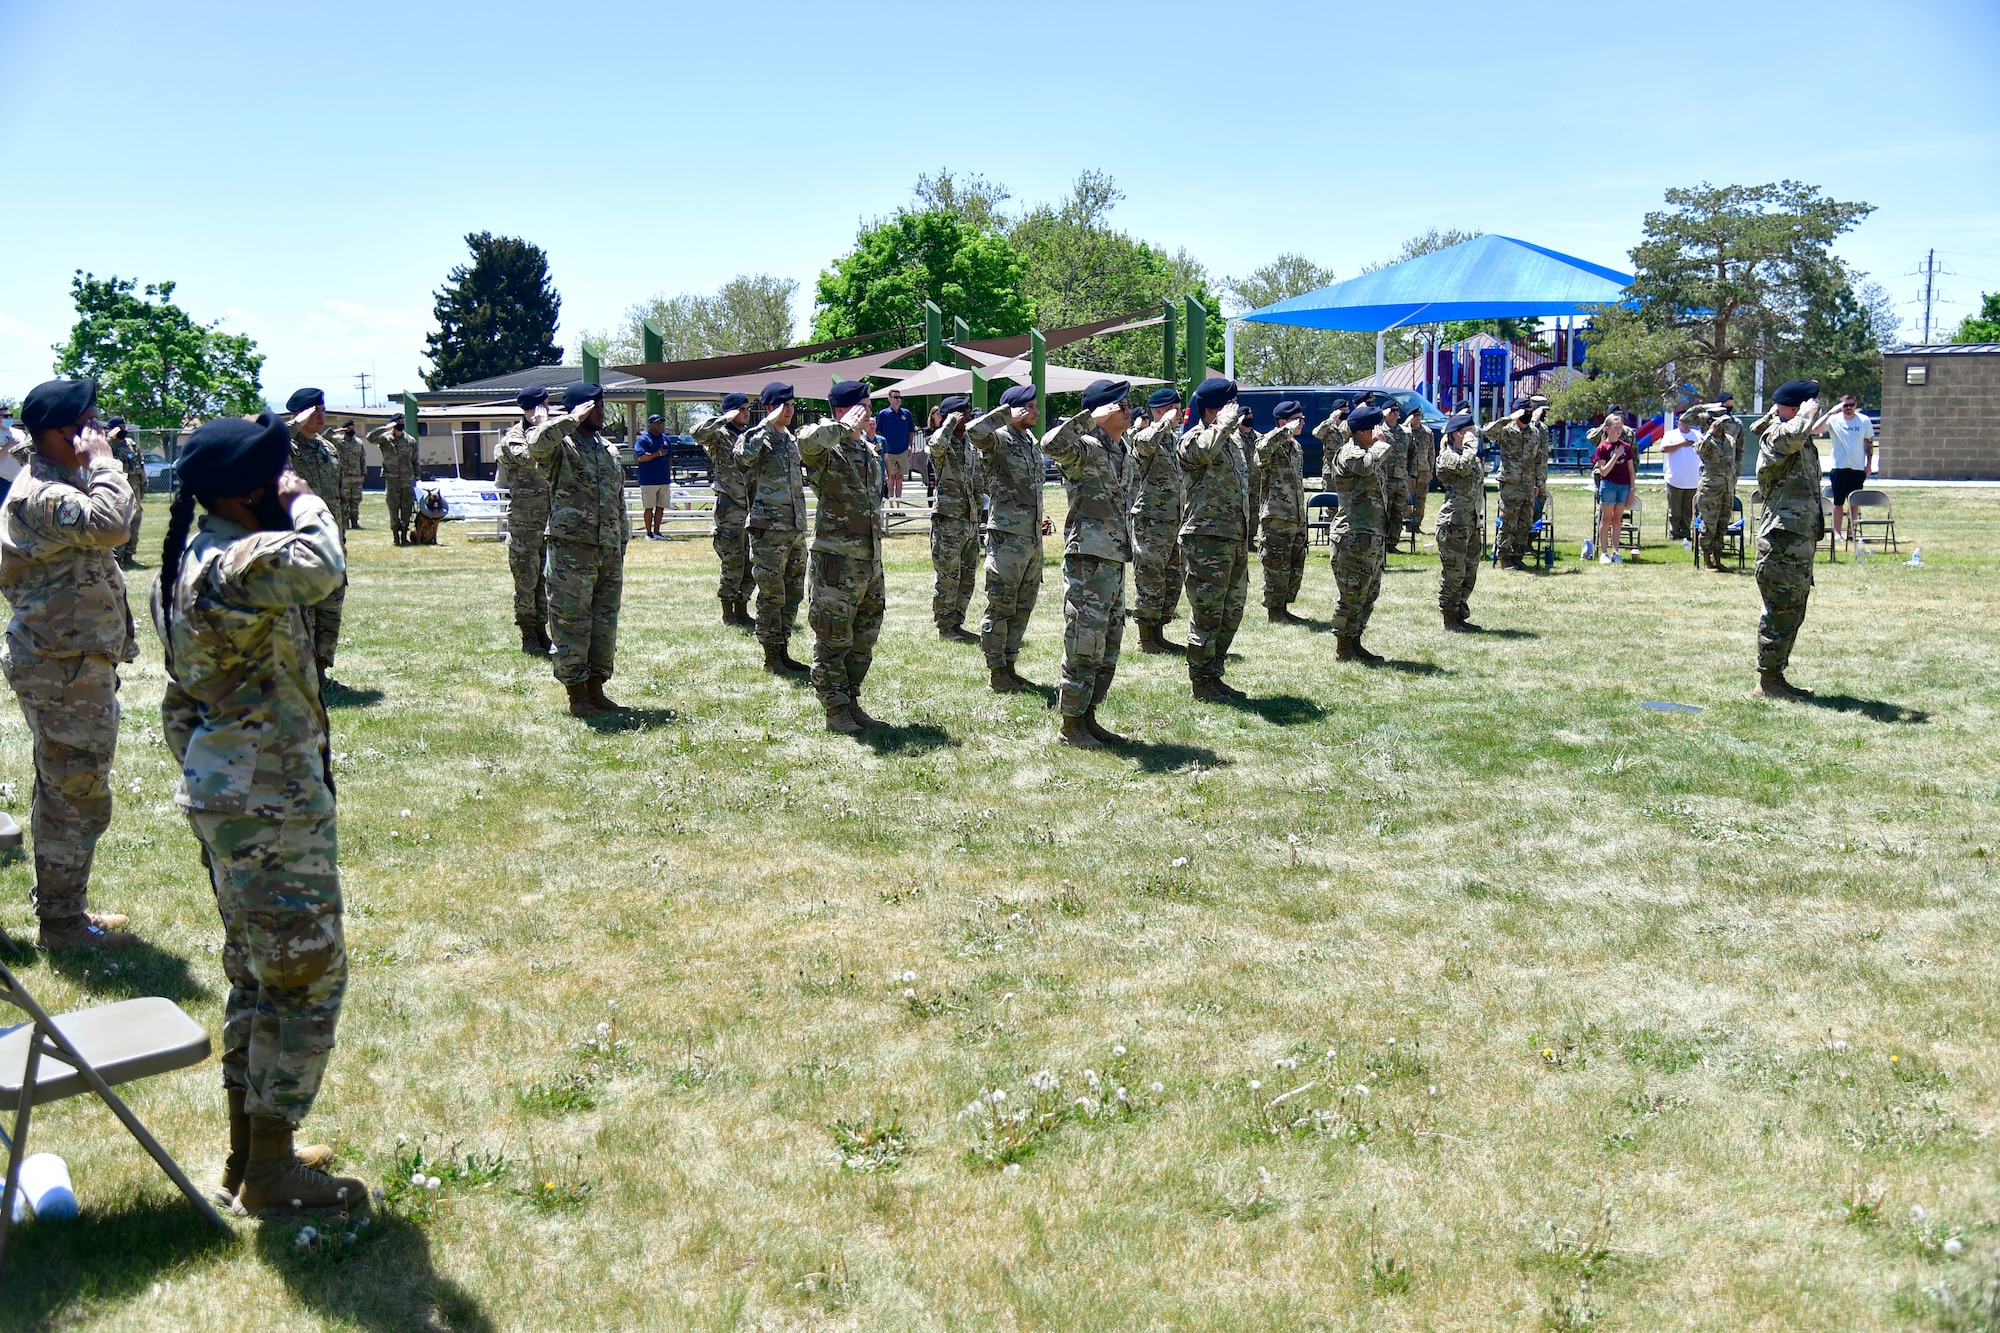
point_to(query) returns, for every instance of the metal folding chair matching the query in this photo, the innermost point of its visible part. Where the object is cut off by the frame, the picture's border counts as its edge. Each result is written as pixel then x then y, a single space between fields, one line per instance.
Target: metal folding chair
pixel 1319 529
pixel 88 1050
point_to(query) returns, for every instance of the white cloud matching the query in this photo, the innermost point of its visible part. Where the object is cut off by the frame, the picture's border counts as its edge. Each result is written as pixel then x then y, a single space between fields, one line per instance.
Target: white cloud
pixel 340 339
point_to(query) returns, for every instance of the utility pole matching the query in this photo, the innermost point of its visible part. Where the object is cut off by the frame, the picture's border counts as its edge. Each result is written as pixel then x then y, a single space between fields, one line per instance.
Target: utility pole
pixel 362 380
pixel 1930 276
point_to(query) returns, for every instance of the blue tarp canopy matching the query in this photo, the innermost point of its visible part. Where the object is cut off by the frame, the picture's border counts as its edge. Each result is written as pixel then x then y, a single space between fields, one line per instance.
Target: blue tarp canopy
pixel 1487 277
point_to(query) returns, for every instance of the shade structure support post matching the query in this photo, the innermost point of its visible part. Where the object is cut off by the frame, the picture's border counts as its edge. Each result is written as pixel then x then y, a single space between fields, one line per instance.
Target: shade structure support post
pixel 933 332
pixel 1038 366
pixel 1229 328
pixel 1757 398
pixel 1197 344
pixel 1478 391
pixel 655 341
pixel 1171 357
pixel 982 392
pixel 1379 336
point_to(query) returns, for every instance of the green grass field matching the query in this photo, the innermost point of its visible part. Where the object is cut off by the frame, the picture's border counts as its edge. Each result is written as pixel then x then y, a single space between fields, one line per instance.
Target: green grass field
pixel 1458 993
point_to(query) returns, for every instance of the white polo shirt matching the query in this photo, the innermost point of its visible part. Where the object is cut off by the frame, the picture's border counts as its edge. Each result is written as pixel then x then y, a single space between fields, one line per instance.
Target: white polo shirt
pixel 1850 439
pixel 1683 466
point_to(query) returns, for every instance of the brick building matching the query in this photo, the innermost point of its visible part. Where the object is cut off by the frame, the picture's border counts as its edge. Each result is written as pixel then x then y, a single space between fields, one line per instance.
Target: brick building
pixel 1941 412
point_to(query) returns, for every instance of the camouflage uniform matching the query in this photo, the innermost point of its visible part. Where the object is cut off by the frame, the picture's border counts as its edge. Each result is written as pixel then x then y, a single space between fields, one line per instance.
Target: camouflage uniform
pixel 1720 447
pixel 1246 440
pixel 242 714
pixel 1423 465
pixel 313 459
pixel 585 556
pixel 847 589
pixel 353 458
pixel 1788 474
pixel 1157 509
pixel 1356 533
pixel 1538 433
pixel 1517 485
pixel 732 502
pixel 1097 545
pixel 1460 542
pixel 527 520
pixel 399 474
pixel 1014 472
pixel 955 489
pixel 776 528
pixel 1395 483
pixel 59 535
pixel 1282 463
pixel 134 463
pixel 1217 482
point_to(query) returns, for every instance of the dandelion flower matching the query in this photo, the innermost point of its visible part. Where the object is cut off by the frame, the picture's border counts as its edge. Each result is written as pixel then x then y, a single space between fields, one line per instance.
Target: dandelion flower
pixel 1361 1089
pixel 1954 1246
pixel 1895 1059
pixel 1392 1041
pixel 376 1194
pixel 1158 1088
pixel 1255 1085
pixel 1118 1051
pixel 1431 1091
pixel 1179 861
pixel 405 814
pixel 1013 1169
pixel 1917 1213
pixel 909 977
pixel 909 994
pixel 603 1029
pixel 1263 1175
pixel 1840 1046
pixel 433 1184
pixel 417 1180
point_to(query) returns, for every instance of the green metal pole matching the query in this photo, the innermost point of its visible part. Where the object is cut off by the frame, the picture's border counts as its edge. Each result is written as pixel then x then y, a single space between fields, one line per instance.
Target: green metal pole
pixel 933 332
pixel 1197 343
pixel 961 332
pixel 655 340
pixel 1170 362
pixel 1038 367
pixel 982 393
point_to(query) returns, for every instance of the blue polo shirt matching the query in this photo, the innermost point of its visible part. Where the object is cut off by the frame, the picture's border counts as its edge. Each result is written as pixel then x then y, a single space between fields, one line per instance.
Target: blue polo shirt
pixel 653 471
pixel 894 425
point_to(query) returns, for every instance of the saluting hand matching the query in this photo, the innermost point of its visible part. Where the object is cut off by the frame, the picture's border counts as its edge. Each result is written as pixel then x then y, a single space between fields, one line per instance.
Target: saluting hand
pixel 290 487
pixel 92 444
pixel 854 416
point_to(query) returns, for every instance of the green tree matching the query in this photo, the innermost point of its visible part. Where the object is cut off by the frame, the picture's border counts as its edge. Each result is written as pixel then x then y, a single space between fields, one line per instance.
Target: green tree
pixel 899 263
pixel 1724 275
pixel 496 316
pixel 1286 354
pixel 749 313
pixel 154 365
pixel 1983 327
pixel 970 197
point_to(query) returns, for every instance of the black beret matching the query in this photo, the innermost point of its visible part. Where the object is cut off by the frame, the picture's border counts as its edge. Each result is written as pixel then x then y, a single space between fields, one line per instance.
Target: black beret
pixel 230 456
pixel 1288 408
pixel 578 394
pixel 1458 422
pixel 1793 393
pixel 1364 418
pixel 114 423
pixel 1164 396
pixel 654 417
pixel 845 394
pixel 56 403
pixel 1214 394
pixel 1102 392
pixel 1018 395
pixel 1725 397
pixel 396 420
pixel 302 399
pixel 732 401
pixel 776 394
pixel 958 402
pixel 1391 405
pixel 531 397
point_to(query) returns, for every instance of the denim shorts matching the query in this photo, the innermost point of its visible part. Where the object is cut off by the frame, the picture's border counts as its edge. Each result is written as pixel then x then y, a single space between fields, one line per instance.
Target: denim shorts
pixel 1614 492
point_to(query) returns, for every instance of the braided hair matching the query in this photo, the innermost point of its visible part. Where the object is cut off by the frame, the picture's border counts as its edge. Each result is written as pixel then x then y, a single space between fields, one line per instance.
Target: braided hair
pixel 179 519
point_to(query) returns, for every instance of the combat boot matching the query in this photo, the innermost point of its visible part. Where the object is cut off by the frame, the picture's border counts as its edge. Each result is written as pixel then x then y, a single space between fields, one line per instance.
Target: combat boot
pixel 276 1181
pixel 1151 639
pixel 1362 655
pixel 855 711
pixel 581 704
pixel 1075 732
pixel 779 662
pixel 316 1156
pixel 1773 685
pixel 1455 623
pixel 531 639
pixel 957 634
pixel 1209 690
pixel 1003 681
pixel 744 620
pixel 1021 682
pixel 1343 649
pixel 601 699
pixel 80 932
pixel 840 720
pixel 107 920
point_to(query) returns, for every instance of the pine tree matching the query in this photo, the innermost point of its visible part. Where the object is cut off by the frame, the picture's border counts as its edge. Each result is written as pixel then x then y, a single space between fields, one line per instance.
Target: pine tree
pixel 496 316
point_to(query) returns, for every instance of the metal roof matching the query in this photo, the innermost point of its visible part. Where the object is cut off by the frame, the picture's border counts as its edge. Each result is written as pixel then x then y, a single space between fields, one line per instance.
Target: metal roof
pixel 1945 349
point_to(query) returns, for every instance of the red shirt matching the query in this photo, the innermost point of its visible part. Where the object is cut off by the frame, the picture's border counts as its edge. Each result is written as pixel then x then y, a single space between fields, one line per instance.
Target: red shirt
pixel 1619 456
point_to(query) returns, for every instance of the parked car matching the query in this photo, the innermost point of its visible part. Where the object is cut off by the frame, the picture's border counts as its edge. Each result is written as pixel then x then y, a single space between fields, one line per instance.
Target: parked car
pixel 1319 400
pixel 160 474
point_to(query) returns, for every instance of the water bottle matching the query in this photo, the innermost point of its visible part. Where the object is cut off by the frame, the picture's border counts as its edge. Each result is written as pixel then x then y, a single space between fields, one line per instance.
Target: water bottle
pixel 1861 553
pixel 45 1189
pixel 1916 556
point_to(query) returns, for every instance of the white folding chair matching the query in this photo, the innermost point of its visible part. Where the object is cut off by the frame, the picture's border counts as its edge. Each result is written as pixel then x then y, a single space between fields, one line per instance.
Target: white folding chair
pixel 88 1050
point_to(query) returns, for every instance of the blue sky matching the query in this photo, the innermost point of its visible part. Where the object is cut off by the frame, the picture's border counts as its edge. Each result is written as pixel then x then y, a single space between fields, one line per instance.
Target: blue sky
pixel 306 172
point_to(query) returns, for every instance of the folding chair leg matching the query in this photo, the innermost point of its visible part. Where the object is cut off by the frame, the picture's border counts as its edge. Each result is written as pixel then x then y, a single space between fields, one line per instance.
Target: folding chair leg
pixel 17 1146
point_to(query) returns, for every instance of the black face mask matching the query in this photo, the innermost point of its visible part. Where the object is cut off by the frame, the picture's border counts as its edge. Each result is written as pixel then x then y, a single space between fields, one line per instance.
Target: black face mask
pixel 270 512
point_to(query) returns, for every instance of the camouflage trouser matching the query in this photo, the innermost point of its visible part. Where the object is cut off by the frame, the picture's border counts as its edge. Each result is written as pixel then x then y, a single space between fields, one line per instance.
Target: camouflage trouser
pixel 350 500
pixel 1395 512
pixel 1093 630
pixel 323 624
pixel 955 554
pixel 400 490
pixel 1785 580
pixel 1517 517
pixel 130 550
pixel 1157 572
pixel 1284 564
pixel 778 564
pixel 847 601
pixel 1420 495
pixel 277 887
pixel 730 551
pixel 1712 511
pixel 1218 583
pixel 586 587
pixel 1458 560
pixel 525 552
pixel 1357 569
pixel 1013 585
pixel 71 704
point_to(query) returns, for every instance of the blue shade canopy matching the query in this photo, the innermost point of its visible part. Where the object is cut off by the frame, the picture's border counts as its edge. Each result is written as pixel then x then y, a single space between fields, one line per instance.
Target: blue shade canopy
pixel 1487 277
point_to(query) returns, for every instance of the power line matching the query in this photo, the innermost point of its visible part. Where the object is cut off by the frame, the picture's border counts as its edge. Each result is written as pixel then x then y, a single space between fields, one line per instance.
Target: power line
pixel 1932 295
pixel 361 381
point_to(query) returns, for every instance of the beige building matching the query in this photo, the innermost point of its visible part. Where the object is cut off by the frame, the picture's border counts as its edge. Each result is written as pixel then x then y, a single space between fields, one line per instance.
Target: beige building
pixel 1941 412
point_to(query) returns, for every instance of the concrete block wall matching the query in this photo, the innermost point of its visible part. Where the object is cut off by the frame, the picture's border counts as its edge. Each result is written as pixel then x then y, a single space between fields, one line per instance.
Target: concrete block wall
pixel 1948 428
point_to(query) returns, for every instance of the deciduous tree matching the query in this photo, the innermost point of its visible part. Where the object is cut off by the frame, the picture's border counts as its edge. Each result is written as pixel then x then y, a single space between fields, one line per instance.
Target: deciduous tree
pixel 154 365
pixel 899 263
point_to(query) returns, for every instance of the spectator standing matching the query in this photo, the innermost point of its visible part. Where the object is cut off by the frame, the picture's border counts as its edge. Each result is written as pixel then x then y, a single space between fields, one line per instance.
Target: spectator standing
pixel 894 426
pixel 1612 466
pixel 656 474
pixel 1683 469
pixel 1853 459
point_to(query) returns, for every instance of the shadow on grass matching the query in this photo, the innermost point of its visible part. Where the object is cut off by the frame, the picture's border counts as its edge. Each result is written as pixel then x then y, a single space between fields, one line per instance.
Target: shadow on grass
pixel 907 738
pixel 138 969
pixel 1409 668
pixel 1281 710
pixel 1167 756
pixel 102 1256
pixel 336 695
pixel 1876 710
pixel 1487 633
pixel 632 719
pixel 385 1280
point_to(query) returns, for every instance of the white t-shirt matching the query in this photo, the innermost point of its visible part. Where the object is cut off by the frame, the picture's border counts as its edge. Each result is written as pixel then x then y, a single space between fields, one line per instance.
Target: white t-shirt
pixel 1850 448
pixel 1683 466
